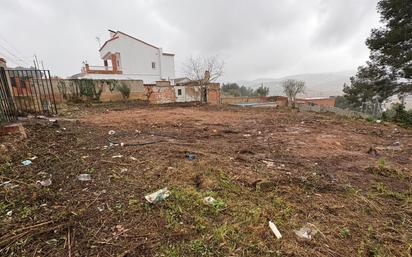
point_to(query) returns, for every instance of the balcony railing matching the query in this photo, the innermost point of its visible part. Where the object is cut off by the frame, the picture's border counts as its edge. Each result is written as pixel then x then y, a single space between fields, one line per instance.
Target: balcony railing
pixel 101 68
pixel 88 69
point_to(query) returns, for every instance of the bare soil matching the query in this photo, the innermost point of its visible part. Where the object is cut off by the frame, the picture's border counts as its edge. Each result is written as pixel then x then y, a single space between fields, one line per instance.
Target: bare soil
pixel 351 179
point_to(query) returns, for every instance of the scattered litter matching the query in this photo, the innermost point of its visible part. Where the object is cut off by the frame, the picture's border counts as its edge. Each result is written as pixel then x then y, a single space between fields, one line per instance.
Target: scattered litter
pixel 269 163
pixel 396 143
pixel 42 173
pixel 33 158
pixel 123 170
pixel 307 231
pixel 9 213
pixel 275 230
pixel 45 183
pixel 100 209
pixel 247 135
pixel 133 158
pixel 85 156
pixel 53 120
pixel 8 185
pixel 117 156
pixel 190 156
pixel 209 200
pixel 84 177
pixel 158 195
pixel 378 121
pixel 26 162
pixel 112 132
pixel 52 241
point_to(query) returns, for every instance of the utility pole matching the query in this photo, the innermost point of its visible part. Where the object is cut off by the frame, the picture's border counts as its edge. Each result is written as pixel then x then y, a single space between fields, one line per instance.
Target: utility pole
pixel 37 62
pixel 34 62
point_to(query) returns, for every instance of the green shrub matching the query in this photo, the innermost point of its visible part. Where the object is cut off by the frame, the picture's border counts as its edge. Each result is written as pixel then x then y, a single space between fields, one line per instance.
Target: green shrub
pixel 398 114
pixel 124 90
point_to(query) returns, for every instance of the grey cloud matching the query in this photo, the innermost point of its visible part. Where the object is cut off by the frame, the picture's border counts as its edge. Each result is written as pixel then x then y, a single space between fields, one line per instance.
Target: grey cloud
pixel 258 38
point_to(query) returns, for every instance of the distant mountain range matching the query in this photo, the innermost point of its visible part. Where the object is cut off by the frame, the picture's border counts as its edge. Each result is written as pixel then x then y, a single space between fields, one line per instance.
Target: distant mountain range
pixel 317 84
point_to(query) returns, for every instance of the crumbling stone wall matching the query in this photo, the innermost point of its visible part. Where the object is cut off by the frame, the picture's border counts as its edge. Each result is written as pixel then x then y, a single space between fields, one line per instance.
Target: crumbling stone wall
pixel 160 93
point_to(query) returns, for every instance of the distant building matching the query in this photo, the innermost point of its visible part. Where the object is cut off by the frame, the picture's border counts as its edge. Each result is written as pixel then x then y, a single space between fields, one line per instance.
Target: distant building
pixel 321 101
pixel 126 57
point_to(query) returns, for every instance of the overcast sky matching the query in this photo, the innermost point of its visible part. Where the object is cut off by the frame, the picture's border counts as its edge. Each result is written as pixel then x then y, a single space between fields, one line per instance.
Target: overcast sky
pixel 255 38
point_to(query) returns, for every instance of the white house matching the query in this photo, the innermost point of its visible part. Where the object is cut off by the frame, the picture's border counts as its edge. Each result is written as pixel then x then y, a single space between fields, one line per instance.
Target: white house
pixel 126 57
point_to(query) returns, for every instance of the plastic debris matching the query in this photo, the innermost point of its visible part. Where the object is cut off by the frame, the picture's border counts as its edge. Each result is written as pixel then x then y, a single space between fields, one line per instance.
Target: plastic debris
pixel 133 158
pixel 84 177
pixel 209 200
pixel 190 156
pixel 378 121
pixel 26 162
pixel 9 213
pixel 275 230
pixel 33 158
pixel 269 164
pixel 307 231
pixel 8 185
pixel 112 132
pixel 45 183
pixel 100 209
pixel 117 156
pixel 158 195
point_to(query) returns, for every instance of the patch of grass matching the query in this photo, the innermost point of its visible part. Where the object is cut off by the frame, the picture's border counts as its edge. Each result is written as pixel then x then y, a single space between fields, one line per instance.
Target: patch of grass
pixel 169 251
pixel 370 247
pixel 344 232
pixel 381 163
pixel 381 170
pixel 351 190
pixel 387 192
pixel 200 248
pixel 26 211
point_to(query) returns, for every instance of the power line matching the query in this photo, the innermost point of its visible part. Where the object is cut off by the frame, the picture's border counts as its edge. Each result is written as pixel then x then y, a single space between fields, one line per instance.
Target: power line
pixel 15 56
pixel 11 59
pixel 12 46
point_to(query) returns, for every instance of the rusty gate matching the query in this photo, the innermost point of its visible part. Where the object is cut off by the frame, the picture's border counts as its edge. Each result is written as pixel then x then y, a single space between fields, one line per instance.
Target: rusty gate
pixel 32 91
pixel 7 108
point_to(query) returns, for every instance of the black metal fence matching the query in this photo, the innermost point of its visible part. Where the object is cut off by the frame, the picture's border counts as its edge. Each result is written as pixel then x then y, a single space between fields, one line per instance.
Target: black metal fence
pixel 32 91
pixel 7 108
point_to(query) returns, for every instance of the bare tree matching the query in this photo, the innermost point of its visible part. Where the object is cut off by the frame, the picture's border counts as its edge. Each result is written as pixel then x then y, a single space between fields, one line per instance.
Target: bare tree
pixel 203 70
pixel 291 88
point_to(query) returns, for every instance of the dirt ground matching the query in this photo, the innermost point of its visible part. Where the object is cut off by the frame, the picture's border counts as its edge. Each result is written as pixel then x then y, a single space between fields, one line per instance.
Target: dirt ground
pixel 348 180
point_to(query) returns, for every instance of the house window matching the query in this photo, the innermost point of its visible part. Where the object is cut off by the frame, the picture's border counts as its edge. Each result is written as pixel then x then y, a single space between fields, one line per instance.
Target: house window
pixel 153 65
pixel 179 92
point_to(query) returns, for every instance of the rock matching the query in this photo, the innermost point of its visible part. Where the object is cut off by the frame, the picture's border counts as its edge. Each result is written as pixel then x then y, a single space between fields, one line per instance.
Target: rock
pixel 4 154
